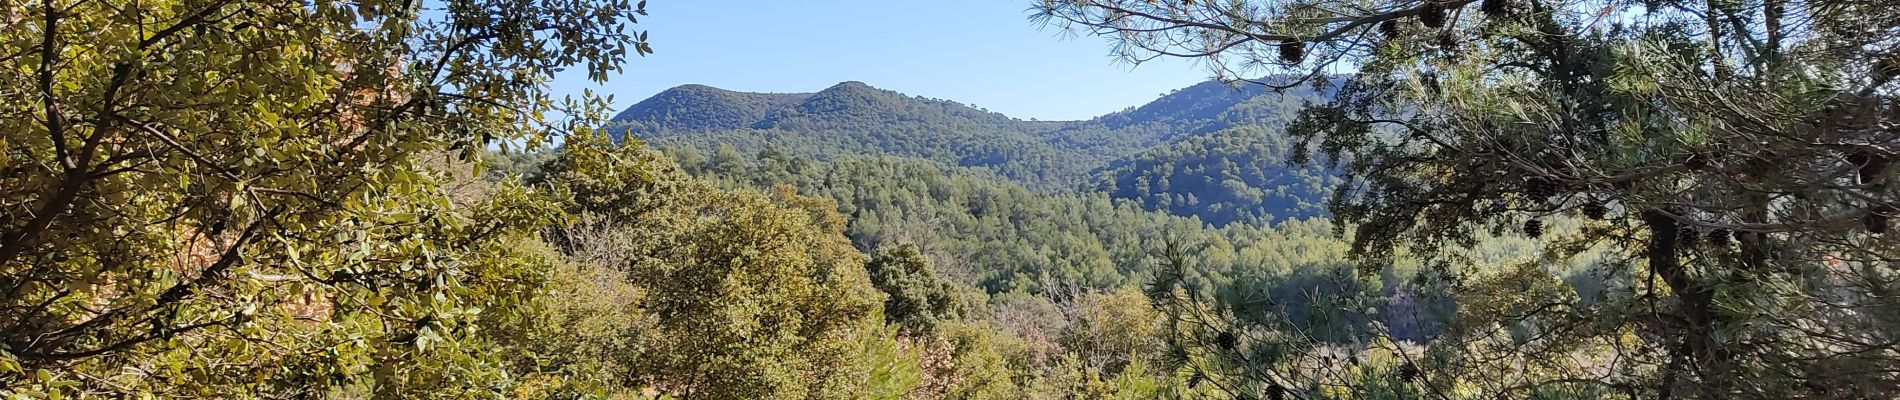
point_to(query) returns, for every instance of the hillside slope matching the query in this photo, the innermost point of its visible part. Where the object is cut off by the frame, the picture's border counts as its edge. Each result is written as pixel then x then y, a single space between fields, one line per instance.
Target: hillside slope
pixel 700 108
pixel 1185 113
pixel 1234 174
pixel 1211 150
pixel 855 118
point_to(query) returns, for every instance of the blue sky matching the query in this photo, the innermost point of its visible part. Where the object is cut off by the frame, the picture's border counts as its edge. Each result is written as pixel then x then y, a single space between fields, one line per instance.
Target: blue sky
pixel 982 52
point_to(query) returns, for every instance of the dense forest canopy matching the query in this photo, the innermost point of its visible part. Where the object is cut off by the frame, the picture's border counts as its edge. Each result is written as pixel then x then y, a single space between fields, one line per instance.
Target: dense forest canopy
pixel 1404 199
pixel 1211 140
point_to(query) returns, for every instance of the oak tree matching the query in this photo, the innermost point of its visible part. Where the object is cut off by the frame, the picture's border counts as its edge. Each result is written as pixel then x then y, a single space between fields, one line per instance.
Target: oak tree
pixel 208 197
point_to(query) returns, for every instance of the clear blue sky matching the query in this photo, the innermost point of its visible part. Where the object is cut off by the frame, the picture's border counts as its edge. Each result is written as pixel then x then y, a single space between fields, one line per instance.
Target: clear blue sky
pixel 982 52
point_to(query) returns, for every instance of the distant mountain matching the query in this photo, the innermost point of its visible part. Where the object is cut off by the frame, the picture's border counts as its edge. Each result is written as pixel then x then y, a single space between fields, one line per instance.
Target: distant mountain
pixel 854 105
pixel 1145 154
pixel 855 118
pixel 703 108
pixel 1191 111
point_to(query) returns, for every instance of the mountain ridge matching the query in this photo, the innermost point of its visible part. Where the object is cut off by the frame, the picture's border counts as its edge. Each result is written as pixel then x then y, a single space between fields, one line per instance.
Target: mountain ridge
pixel 1127 154
pixel 705 107
pixel 1152 110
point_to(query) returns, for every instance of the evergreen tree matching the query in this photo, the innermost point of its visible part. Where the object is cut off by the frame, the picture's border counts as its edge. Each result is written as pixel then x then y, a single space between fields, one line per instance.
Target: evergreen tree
pixel 1756 123
pixel 916 298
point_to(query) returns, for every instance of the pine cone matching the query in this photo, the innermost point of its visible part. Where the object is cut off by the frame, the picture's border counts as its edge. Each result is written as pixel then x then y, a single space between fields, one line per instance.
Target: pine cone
pixel 1595 210
pixel 1719 237
pixel 1687 236
pixel 1447 42
pixel 1432 15
pixel 1534 228
pixel 1226 340
pixel 1292 51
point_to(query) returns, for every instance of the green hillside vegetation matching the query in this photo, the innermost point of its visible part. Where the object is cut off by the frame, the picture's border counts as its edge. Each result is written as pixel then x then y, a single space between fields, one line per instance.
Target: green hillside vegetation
pixel 1212 127
pixel 1236 174
pixel 853 118
pixel 1181 114
pixel 703 108
pixel 983 230
pixel 1019 258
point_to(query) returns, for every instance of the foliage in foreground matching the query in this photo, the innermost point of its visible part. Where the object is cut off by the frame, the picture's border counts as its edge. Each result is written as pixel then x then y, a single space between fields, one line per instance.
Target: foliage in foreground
pixel 746 295
pixel 1733 156
pixel 206 199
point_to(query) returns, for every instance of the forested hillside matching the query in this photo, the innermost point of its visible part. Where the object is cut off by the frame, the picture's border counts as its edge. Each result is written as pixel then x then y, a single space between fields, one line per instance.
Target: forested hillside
pixel 853 118
pixel 995 232
pixel 1187 113
pixel 1184 132
pixel 703 108
pixel 1243 173
pixel 1002 238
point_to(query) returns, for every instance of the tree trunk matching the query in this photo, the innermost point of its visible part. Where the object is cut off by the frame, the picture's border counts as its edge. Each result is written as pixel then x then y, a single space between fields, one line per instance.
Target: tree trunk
pixel 1696 303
